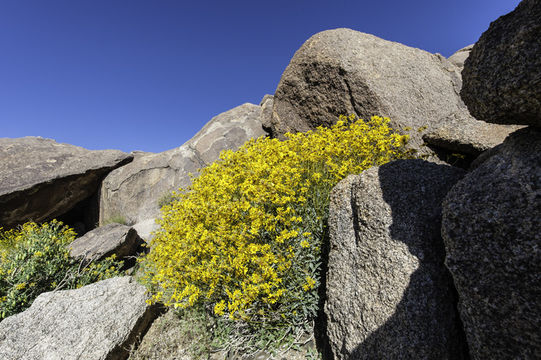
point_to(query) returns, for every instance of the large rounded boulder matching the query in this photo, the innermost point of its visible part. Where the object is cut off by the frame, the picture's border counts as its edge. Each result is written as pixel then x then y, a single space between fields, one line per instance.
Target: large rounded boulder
pixel 343 71
pixel 502 75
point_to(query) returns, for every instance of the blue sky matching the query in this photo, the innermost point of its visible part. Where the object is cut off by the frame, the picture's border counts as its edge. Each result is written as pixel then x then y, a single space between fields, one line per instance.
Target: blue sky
pixel 147 75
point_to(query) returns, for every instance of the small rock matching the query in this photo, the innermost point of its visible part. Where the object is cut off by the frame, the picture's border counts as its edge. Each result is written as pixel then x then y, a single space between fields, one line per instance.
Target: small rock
pixel 460 56
pixel 266 112
pixel 105 241
pixel 461 133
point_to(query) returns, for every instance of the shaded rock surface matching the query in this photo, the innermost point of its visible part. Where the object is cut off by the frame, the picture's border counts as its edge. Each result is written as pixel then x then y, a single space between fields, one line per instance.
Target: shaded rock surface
pixel 105 241
pixel 502 75
pixel 389 295
pixel 491 223
pixel 134 191
pixel 343 71
pixel 41 179
pixel 98 321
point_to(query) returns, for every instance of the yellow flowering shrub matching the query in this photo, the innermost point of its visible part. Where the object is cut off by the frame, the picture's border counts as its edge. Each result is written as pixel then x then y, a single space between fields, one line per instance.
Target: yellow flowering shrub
pixel 245 238
pixel 35 258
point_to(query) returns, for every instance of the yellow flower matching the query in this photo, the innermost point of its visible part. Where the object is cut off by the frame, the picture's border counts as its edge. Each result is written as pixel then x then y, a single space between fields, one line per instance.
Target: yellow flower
pixel 219 308
pixel 20 286
pixel 310 283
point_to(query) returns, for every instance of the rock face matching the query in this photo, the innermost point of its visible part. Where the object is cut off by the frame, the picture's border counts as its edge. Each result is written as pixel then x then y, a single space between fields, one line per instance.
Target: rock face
pixel 41 179
pixel 135 190
pixel 389 295
pixel 458 58
pixel 502 75
pixel 491 223
pixel 267 103
pixel 146 228
pixel 229 130
pixel 343 71
pixel 98 321
pixel 460 133
pixel 105 241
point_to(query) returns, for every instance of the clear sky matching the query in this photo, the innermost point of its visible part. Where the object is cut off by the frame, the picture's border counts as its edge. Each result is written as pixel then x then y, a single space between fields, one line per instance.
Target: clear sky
pixel 148 74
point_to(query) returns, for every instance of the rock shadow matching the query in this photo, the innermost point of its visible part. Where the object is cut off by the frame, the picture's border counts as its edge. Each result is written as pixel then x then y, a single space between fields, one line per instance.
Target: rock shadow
pixel 425 323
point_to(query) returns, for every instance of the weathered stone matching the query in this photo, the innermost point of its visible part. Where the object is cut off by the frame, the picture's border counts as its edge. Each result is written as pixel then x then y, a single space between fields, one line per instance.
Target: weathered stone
pixel 41 179
pixel 463 134
pixel 343 71
pixel 146 228
pixel 229 130
pixel 266 112
pixel 389 295
pixel 265 98
pixel 135 190
pixel 102 242
pixel 98 321
pixel 502 75
pixel 460 56
pixel 491 228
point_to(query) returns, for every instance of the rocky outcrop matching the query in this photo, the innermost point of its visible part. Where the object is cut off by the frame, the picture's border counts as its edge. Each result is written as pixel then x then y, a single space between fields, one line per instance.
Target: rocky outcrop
pixel 99 321
pixel 134 191
pixel 388 292
pixel 41 179
pixel 343 71
pixel 502 75
pixel 389 295
pixel 491 223
pixel 102 242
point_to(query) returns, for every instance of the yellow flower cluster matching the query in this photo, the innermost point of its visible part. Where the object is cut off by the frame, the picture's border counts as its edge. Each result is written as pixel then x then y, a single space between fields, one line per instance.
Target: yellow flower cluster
pixel 245 237
pixel 59 235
